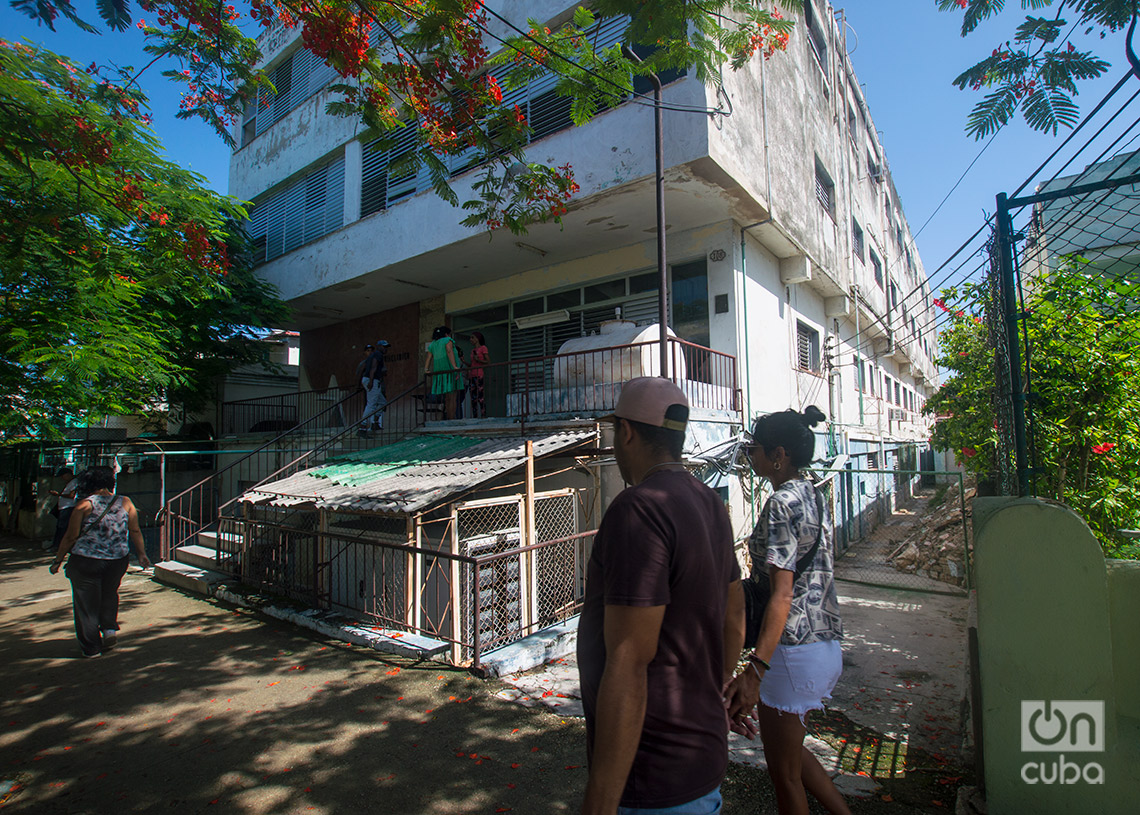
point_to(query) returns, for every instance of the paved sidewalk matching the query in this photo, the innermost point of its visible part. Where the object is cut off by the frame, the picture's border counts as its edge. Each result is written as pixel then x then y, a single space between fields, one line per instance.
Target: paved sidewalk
pixel 903 685
pixel 206 709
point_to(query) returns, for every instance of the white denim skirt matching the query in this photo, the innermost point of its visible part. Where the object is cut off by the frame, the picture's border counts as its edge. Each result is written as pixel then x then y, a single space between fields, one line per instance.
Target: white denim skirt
pixel 802 676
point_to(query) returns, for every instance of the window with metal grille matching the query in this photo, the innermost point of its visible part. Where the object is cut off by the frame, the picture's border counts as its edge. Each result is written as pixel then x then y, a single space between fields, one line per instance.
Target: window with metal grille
pixel 807 347
pixel 874 169
pixel 294 80
pixel 857 240
pixel 870 378
pixel 872 461
pixel 384 181
pixel 816 36
pixel 877 266
pixel 859 383
pixel 301 212
pixel 898 399
pixel 824 189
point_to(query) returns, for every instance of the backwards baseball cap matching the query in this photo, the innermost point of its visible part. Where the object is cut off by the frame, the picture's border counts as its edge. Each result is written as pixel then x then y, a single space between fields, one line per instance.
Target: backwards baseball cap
pixel 653 401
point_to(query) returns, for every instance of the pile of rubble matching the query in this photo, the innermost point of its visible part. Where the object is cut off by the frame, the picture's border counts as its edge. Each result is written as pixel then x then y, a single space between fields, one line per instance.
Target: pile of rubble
pixel 935 547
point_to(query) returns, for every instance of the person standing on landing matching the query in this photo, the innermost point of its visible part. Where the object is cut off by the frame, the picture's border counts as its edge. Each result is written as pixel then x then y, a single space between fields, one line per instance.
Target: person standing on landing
pixel 372 380
pixel 662 622
pixel 441 367
pixel 102 530
pixel 795 659
pixel 480 356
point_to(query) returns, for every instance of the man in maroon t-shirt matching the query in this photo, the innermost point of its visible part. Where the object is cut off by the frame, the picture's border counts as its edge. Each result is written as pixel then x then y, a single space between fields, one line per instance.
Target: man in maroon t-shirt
pixel 662 623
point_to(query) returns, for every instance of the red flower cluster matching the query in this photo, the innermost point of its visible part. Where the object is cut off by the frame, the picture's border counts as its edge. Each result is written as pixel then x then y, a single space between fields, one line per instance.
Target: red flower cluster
pixel 339 37
pixel 1101 449
pixel 766 40
pixel 78 144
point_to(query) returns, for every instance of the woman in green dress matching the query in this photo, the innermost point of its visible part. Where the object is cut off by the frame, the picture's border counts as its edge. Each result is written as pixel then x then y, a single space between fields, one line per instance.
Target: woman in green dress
pixel 442 369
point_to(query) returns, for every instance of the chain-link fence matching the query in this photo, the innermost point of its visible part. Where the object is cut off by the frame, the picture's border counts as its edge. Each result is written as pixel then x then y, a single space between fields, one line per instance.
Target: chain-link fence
pixel 1062 308
pixel 894 531
pixel 518 587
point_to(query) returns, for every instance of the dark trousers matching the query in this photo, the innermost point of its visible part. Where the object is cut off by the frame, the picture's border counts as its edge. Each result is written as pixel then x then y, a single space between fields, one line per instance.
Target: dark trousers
pixel 95 597
pixel 61 527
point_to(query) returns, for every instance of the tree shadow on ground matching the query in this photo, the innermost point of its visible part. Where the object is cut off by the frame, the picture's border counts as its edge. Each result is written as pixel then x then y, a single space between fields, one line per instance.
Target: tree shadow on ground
pixel 202 705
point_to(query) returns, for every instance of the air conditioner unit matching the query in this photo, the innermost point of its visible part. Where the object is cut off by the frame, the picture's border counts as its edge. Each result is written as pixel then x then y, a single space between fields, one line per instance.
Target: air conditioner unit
pixel 897 415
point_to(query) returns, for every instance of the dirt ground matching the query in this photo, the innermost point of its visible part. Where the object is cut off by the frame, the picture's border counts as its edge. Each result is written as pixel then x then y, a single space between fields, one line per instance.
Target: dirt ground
pixel 204 708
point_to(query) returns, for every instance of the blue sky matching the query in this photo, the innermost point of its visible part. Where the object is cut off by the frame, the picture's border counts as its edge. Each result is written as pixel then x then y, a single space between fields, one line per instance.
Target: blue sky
pixel 905 54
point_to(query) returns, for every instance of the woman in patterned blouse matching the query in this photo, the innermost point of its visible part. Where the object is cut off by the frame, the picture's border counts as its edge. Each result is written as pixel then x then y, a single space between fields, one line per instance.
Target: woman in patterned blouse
pixel 795 659
pixel 102 529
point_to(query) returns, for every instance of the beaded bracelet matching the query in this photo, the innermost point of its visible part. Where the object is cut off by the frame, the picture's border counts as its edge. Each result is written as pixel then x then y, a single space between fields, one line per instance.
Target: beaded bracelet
pixel 754 659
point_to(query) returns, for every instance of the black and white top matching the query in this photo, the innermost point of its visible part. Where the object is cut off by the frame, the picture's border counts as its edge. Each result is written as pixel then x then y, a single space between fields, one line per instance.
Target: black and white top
pixel 786 531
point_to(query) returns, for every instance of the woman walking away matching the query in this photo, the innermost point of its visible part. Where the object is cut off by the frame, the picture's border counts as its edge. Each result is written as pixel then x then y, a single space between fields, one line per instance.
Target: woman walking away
pixel 480 356
pixel 795 659
pixel 442 369
pixel 102 529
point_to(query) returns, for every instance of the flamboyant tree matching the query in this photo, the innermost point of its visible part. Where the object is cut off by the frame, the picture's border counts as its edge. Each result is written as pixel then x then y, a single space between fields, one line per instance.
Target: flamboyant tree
pixel 1083 330
pixel 1036 70
pixel 124 279
pixel 441 67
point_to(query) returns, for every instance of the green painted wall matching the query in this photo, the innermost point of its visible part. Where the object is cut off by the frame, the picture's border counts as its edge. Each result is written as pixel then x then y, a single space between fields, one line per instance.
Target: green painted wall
pixel 1055 625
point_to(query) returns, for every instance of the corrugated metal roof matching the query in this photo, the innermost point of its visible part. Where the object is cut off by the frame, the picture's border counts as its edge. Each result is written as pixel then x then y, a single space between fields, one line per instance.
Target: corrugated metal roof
pixel 410 475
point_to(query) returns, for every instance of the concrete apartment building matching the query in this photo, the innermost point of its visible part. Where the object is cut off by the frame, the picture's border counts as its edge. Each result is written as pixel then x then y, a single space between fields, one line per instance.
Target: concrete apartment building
pixel 788 248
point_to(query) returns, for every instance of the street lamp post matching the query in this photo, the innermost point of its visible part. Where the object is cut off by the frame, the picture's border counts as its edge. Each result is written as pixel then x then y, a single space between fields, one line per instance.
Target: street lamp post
pixel 662 277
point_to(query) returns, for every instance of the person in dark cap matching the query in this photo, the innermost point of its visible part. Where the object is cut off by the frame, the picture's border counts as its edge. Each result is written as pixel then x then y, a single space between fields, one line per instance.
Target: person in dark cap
pixel 662 622
pixel 372 380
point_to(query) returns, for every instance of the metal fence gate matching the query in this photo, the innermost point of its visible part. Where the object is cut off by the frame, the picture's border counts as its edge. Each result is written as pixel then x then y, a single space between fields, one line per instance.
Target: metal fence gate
pixel 894 530
pixel 526 579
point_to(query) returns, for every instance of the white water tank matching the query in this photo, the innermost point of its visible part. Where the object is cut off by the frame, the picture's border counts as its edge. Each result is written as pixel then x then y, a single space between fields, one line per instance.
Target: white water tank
pixel 600 359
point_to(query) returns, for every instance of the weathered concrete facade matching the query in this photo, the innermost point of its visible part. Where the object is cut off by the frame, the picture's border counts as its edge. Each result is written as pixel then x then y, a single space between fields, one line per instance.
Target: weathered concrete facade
pixel 787 203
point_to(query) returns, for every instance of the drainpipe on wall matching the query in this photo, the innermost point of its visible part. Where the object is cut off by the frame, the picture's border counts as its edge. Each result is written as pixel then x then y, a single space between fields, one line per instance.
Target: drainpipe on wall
pixel 859 381
pixel 744 275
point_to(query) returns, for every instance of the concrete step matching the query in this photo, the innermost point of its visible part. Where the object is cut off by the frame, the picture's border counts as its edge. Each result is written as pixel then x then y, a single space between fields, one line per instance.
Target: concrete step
pixel 198 556
pixel 190 578
pixel 209 539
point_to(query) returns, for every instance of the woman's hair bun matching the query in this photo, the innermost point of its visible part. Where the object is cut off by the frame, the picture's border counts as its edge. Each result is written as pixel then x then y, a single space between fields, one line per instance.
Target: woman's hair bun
pixel 812 416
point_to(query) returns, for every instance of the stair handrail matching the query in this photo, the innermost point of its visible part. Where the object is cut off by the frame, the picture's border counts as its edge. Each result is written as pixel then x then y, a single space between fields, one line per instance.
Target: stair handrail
pixel 166 512
pixel 268 444
pixel 327 442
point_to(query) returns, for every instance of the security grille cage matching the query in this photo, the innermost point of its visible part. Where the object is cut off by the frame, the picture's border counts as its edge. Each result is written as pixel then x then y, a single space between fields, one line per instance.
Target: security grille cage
pixel 493 531
pixel 520 584
pixel 559 568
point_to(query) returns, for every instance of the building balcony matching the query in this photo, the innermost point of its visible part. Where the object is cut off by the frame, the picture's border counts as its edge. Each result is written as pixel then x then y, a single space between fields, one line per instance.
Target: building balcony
pixel 583 383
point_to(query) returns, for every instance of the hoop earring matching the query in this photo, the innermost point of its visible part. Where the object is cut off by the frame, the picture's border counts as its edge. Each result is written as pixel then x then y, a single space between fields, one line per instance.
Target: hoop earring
pixel 776 466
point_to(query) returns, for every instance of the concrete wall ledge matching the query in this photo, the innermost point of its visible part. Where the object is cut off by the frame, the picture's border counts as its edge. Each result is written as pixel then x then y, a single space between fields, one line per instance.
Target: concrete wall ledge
pixel 339 627
pixel 543 646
